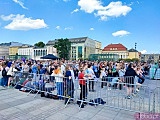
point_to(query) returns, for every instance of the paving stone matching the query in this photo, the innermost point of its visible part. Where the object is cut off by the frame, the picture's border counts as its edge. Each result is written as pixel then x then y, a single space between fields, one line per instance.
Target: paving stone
pixel 4 106
pixel 58 116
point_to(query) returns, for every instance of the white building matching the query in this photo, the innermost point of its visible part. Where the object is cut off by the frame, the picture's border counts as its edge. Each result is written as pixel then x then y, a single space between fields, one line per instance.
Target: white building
pixel 37 53
pixel 26 50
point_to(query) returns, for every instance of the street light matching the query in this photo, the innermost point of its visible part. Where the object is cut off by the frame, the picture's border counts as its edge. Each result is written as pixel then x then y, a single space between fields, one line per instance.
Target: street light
pixel 135 49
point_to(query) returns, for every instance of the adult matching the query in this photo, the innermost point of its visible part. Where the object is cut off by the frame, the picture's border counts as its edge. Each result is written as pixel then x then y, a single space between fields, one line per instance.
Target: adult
pixel 10 73
pixel 69 84
pixel 59 82
pixel 129 79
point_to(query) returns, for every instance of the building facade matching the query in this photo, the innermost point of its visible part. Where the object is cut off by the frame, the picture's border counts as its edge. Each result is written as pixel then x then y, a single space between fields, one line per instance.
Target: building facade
pixel 98 49
pixel 117 49
pixel 36 53
pixel 13 49
pixel 150 57
pixel 27 51
pixel 103 57
pixel 81 47
pixel 4 52
pixel 132 53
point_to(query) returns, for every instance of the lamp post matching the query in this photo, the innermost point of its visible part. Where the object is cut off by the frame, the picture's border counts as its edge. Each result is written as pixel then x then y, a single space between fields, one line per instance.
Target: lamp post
pixel 135 49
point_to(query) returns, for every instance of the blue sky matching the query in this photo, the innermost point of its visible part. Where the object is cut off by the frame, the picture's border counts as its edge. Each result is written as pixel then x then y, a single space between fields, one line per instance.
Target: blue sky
pixel 109 21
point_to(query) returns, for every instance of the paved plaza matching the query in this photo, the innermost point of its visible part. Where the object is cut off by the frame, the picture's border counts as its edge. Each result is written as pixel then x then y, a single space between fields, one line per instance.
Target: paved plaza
pixel 16 105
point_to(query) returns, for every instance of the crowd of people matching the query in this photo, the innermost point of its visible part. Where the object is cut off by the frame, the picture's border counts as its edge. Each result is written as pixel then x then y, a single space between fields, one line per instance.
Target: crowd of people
pixel 82 71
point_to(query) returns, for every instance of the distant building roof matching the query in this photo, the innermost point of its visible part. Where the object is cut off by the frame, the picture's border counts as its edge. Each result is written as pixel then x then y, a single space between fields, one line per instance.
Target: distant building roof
pixel 132 50
pixel 15 44
pixel 72 40
pixel 5 44
pixel 115 47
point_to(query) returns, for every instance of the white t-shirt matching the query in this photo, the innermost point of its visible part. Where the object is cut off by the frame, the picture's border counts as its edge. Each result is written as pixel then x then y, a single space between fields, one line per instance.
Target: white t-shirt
pixel 91 72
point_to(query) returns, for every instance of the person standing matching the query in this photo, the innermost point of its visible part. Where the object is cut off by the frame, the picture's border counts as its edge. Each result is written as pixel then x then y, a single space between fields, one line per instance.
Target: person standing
pixel 68 84
pixel 10 73
pixel 129 79
pixel 91 78
pixel 59 82
pixel 4 75
pixel 83 85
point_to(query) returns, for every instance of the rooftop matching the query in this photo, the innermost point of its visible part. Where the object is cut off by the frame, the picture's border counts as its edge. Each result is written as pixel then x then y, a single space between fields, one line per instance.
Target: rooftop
pixel 115 47
pixel 72 40
pixel 132 50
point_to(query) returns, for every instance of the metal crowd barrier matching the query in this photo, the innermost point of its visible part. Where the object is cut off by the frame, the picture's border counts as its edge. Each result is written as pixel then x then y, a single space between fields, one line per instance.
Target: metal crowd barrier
pixel 108 91
pixel 155 100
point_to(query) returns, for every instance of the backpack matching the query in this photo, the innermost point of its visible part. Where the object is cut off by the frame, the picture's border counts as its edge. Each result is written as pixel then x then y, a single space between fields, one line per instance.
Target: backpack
pixel 4 72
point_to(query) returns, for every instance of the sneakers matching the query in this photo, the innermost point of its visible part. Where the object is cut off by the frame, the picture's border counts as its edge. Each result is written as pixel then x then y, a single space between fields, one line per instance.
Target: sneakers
pixel 128 97
pixel 137 90
pixel 133 94
pixel 109 88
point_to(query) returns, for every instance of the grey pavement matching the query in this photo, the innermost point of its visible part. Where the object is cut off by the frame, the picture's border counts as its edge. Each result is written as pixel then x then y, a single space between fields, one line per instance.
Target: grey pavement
pixel 16 105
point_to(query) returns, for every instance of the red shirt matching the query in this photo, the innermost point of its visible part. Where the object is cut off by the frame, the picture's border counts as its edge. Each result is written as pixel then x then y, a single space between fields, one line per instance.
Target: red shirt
pixel 81 79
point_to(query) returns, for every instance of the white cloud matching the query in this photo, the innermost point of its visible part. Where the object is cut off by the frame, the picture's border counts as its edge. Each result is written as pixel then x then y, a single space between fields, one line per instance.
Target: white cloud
pixel 7 18
pixel 90 6
pixel 20 22
pixel 20 3
pixel 120 33
pixel 143 51
pixel 91 29
pixel 114 9
pixel 74 11
pixel 58 27
pixel 68 28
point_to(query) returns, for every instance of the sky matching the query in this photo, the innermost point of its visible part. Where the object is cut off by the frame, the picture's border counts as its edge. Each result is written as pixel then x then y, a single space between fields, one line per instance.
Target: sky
pixel 108 21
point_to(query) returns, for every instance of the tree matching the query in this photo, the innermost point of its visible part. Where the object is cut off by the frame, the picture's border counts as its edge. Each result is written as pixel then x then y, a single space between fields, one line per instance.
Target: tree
pixel 39 44
pixel 63 47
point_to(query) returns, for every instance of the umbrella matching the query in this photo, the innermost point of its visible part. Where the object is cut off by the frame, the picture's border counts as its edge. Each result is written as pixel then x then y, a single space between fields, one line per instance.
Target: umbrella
pixel 50 56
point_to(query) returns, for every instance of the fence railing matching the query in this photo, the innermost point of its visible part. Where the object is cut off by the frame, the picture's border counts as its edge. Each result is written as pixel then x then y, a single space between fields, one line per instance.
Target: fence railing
pixel 108 91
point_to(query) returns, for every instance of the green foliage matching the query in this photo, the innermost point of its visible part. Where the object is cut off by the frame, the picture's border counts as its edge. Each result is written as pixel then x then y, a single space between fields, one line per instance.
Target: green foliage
pixel 135 60
pixel 63 47
pixel 130 60
pixel 39 44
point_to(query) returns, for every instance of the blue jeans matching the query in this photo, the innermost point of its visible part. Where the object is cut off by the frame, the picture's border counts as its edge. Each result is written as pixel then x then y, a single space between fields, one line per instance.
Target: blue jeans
pixel 0 81
pixel 60 89
pixel 4 81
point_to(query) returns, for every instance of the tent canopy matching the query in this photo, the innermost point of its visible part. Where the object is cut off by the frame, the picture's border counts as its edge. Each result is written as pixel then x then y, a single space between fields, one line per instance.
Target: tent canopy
pixel 50 56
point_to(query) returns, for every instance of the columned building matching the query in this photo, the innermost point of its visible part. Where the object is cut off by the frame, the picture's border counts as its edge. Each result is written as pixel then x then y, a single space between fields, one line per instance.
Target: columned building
pixel 117 49
pixel 35 52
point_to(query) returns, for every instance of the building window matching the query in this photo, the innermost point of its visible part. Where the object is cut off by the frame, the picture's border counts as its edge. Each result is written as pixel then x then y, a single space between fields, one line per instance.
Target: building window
pixel 79 51
pixel 43 52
